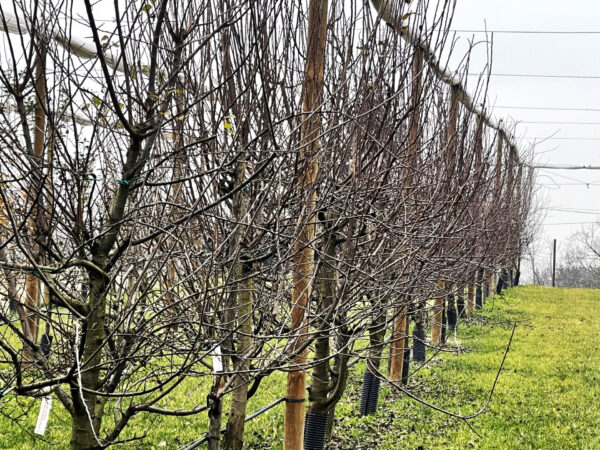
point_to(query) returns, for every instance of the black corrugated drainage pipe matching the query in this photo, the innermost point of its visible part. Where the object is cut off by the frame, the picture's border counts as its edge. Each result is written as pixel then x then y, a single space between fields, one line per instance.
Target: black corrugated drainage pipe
pixel 369 395
pixel 419 345
pixel 315 431
pixel 406 365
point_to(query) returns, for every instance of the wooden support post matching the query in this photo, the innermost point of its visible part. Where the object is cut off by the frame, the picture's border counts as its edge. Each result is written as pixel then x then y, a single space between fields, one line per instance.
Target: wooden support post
pixel 554 264
pixel 398 345
pixel 452 138
pixel 498 169
pixel 303 261
pixel 401 322
pixel 438 305
pixel 510 175
pixel 32 283
pixel 470 298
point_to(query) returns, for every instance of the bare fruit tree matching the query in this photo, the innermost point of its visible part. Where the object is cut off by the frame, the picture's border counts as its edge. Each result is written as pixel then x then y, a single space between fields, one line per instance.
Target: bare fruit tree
pixel 196 194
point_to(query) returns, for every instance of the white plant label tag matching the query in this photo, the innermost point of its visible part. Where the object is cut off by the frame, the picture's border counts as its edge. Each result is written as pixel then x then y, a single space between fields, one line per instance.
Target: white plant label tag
pixel 42 421
pixel 217 360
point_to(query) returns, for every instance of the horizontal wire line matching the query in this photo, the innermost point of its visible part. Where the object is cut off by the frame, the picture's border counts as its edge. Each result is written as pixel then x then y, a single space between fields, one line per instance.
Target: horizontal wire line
pixel 525 31
pixel 571 223
pixel 558 123
pixel 533 75
pixel 547 108
pixel 541 138
pixel 564 167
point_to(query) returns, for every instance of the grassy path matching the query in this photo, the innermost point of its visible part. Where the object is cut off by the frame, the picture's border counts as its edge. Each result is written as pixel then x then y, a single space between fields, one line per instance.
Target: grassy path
pixel 547 397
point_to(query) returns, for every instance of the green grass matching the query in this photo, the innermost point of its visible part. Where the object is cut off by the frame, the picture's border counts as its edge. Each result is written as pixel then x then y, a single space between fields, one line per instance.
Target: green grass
pixel 547 395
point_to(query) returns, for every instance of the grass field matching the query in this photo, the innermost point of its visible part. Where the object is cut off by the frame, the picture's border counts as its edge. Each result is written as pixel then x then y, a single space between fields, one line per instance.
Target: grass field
pixel 547 395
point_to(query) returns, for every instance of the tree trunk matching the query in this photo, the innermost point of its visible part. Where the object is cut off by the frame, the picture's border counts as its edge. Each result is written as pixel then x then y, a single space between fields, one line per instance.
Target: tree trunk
pixel 490 284
pixel 215 408
pixel 370 391
pixel 234 433
pixel 11 288
pixel 479 289
pixel 88 408
pixel 320 379
pixel 327 387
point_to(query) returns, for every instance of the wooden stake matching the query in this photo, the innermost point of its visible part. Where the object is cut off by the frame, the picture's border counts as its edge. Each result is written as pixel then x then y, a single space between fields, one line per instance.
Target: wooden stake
pixel 438 305
pixel 398 345
pixel 554 264
pixel 32 283
pixel 401 322
pixel 470 299
pixel 303 261
pixel 452 136
pixel 498 172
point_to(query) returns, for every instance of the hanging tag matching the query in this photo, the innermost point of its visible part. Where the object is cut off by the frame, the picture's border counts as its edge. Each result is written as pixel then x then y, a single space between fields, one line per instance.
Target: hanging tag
pixel 217 360
pixel 42 421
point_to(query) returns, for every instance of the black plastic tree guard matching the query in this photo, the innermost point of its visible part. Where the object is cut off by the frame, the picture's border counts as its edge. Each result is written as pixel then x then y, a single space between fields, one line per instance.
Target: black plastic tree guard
pixel 478 297
pixel 315 431
pixel 502 282
pixel 419 345
pixel 460 306
pixel 406 365
pixel 369 395
pixel 452 320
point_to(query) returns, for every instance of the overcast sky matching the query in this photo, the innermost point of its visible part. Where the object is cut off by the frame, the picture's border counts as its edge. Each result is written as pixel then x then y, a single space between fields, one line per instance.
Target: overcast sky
pixel 564 191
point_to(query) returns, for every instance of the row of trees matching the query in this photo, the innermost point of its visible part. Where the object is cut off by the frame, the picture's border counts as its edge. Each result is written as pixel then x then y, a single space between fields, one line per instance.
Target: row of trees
pixel 248 184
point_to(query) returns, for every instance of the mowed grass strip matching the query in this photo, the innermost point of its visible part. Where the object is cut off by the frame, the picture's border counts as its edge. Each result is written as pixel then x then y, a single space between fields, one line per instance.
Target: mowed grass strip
pixel 547 396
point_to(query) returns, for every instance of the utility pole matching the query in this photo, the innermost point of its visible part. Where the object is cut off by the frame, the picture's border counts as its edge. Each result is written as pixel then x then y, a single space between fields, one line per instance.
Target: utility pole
pixel 554 265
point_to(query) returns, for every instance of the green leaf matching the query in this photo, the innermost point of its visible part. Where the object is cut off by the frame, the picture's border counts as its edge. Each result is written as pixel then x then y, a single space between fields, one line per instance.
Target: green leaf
pixel 147 7
pixel 228 125
pixel 96 101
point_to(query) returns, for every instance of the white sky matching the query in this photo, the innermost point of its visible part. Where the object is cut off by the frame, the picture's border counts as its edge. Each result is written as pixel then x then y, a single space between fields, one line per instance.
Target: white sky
pixel 547 54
